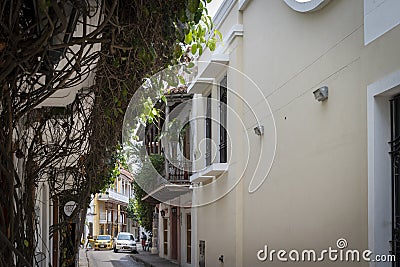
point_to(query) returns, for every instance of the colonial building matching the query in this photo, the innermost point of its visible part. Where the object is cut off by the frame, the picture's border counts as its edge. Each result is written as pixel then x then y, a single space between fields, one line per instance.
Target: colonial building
pixel 295 131
pixel 172 217
pixel 51 209
pixel 107 212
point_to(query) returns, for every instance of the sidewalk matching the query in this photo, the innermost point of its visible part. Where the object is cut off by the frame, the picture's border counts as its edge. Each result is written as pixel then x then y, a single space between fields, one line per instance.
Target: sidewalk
pixel 83 260
pixel 152 260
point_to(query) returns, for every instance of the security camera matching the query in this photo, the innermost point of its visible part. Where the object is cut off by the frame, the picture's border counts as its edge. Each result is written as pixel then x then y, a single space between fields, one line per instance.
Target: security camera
pixel 259 130
pixel 321 94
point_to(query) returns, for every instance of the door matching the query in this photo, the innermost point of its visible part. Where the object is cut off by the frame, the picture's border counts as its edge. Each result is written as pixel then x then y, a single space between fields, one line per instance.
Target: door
pixel 174 233
pixel 165 236
pixel 395 155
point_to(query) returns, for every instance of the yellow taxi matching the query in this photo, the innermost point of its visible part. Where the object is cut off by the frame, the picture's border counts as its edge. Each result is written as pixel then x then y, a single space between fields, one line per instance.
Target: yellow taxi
pixel 103 242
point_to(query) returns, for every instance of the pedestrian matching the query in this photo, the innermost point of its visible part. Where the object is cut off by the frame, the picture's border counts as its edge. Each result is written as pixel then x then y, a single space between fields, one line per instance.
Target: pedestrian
pixel 143 238
pixel 87 242
pixel 150 243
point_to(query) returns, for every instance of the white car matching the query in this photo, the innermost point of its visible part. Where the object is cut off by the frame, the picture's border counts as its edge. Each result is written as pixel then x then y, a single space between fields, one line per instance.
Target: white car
pixel 125 241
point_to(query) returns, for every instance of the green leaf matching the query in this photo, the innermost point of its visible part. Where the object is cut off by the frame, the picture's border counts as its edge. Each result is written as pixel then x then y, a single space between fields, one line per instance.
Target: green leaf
pixel 218 33
pixel 188 38
pixel 211 23
pixel 212 44
pixel 200 50
pixel 205 20
pixel 124 92
pixel 181 80
pixel 194 48
pixel 190 65
pixel 26 243
pixel 198 15
pixel 155 112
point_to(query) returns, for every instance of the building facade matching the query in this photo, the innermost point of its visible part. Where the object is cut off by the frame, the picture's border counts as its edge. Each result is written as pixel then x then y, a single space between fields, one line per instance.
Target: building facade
pixel 172 222
pixel 52 211
pixel 107 212
pixel 277 169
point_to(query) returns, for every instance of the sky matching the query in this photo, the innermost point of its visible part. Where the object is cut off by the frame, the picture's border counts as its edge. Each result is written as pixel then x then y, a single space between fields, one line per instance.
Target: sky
pixel 213 7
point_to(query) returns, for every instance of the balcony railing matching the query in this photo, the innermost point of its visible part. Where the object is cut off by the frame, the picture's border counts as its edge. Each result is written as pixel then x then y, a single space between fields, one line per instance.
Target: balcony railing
pixel 179 171
pixel 112 195
pixel 103 217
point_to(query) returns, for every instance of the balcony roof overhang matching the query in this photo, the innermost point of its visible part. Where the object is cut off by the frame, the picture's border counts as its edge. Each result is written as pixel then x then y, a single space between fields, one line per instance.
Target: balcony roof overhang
pixel 208 71
pixel 106 197
pixel 215 66
pixel 167 192
pixel 214 170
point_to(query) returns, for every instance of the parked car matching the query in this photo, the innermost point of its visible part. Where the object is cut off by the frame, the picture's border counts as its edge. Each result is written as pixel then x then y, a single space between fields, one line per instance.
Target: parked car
pixel 125 241
pixel 103 242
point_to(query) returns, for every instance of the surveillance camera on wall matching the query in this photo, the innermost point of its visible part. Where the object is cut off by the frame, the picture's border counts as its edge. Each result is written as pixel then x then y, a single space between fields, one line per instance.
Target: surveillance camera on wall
pixel 321 94
pixel 259 130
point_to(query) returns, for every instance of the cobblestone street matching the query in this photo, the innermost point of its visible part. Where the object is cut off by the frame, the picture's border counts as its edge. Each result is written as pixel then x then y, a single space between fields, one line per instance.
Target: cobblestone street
pixel 110 259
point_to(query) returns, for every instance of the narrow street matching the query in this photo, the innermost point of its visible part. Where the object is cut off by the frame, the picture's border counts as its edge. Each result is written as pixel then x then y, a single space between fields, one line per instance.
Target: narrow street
pixel 108 258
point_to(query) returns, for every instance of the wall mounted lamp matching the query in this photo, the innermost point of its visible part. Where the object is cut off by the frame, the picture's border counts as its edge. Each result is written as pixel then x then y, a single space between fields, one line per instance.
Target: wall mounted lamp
pixel 321 94
pixel 174 210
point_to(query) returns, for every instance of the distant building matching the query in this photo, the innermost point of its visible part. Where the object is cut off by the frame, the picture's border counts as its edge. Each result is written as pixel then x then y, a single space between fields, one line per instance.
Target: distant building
pixel 107 212
pixel 295 172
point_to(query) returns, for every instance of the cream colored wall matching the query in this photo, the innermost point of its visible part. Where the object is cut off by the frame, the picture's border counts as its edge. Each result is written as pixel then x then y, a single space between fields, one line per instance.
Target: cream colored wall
pixel 316 191
pixel 217 226
pixel 96 217
pixel 220 223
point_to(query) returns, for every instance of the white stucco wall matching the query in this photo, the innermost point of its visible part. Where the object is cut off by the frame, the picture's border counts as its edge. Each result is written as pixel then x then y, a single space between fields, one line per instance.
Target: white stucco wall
pixel 380 16
pixel 322 185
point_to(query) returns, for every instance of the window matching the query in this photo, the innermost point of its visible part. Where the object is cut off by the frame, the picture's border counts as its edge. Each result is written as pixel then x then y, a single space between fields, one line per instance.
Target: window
pixel 208 131
pixel 104 237
pixel 125 237
pixel 223 99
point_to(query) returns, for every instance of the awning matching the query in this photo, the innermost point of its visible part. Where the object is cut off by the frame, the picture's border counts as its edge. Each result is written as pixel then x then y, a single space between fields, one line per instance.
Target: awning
pixel 167 192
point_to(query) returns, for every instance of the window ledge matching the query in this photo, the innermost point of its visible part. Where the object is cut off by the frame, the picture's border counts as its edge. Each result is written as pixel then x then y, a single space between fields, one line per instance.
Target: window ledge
pixel 214 170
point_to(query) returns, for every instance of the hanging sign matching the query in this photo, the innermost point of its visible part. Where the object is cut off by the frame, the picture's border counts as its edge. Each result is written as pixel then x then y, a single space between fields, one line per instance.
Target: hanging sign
pixel 69 207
